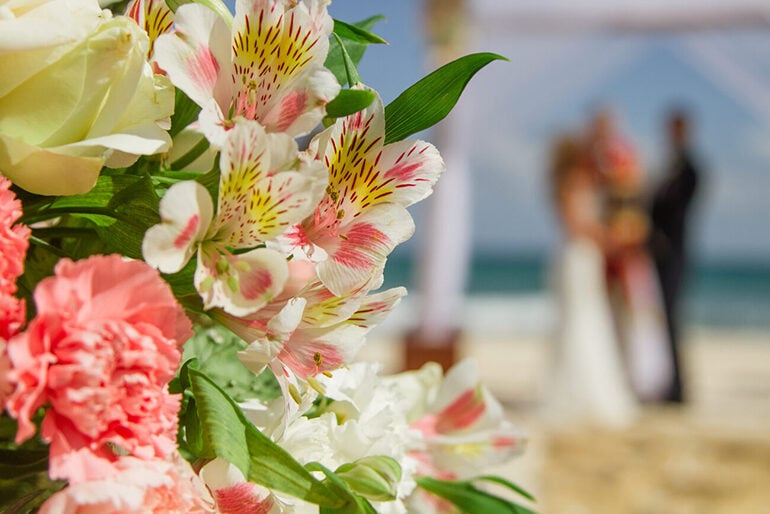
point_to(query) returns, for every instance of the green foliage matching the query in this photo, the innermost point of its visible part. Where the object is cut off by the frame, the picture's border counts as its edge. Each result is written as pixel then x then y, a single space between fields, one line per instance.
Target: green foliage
pixel 468 498
pixel 24 482
pixel 111 218
pixel 349 101
pixel 375 477
pixel 354 504
pixel 185 112
pixel 351 73
pixel 358 33
pixel 215 349
pixel 430 99
pixel 354 42
pixel 229 435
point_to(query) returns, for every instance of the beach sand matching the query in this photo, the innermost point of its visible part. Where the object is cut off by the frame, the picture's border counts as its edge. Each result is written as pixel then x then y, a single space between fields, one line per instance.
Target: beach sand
pixel 711 456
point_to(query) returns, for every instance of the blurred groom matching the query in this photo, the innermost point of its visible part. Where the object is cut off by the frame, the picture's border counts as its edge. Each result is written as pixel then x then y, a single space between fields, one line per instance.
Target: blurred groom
pixel 669 237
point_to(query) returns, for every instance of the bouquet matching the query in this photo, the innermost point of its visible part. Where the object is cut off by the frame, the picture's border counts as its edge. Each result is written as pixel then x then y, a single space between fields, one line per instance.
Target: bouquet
pixel 196 209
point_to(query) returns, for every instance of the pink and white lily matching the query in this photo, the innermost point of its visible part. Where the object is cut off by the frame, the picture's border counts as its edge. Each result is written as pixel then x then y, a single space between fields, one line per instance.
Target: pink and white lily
pixel 264 188
pixel 233 494
pixel 314 332
pixel 462 425
pixel 269 67
pixel 154 16
pixel 363 215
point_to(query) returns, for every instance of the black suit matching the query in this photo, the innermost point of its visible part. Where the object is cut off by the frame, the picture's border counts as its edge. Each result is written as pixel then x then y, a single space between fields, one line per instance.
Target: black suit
pixel 670 205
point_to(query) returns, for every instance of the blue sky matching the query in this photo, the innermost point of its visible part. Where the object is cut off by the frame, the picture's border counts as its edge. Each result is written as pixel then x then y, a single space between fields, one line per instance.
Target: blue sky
pixel 508 161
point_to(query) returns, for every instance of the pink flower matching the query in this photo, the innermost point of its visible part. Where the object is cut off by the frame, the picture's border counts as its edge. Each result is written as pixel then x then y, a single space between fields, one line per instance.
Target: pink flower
pixel 101 350
pixel 137 487
pixel 14 240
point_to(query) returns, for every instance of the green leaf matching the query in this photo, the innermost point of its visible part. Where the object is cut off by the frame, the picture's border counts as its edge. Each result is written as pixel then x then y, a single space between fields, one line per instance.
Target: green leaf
pixel 430 99
pixel 351 73
pixel 185 112
pixel 355 504
pixel 136 208
pixel 469 499
pixel 215 349
pixel 234 438
pixel 349 101
pixel 18 463
pixel 334 59
pixel 356 33
pixel 505 483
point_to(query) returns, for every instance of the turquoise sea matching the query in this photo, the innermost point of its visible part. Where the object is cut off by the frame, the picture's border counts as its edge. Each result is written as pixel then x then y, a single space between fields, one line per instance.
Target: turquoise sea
pixel 718 294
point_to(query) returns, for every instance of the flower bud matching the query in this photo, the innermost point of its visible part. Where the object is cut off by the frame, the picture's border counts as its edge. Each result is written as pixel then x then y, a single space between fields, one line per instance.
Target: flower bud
pixel 375 478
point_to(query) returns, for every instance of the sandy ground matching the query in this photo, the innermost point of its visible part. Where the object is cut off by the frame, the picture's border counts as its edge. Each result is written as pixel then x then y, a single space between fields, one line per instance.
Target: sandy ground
pixel 710 457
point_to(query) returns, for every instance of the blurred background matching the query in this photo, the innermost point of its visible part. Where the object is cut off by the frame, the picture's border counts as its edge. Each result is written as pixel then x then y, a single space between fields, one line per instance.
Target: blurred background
pixel 479 266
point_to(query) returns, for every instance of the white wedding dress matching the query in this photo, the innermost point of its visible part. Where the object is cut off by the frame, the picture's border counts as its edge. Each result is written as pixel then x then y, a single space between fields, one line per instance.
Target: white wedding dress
pixel 588 381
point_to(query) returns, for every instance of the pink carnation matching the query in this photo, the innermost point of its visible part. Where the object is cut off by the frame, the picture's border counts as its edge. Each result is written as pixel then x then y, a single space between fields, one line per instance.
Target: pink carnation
pixel 101 350
pixel 14 240
pixel 137 487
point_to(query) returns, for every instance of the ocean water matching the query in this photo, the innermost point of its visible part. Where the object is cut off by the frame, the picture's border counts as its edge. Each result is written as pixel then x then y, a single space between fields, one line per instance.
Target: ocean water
pixel 720 295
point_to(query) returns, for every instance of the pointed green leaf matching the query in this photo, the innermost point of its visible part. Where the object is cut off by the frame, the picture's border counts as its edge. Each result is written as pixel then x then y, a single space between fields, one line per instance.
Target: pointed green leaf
pixel 430 99
pixel 334 60
pixel 234 438
pixel 507 484
pixel 351 73
pixel 469 499
pixel 349 101
pixel 356 33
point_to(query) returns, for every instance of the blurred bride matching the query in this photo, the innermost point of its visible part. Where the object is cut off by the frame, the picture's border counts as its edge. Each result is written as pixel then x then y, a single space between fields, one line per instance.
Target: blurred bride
pixel 588 382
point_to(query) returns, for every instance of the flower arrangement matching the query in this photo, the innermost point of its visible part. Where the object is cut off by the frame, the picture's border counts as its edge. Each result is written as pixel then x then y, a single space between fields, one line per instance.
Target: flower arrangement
pixel 183 286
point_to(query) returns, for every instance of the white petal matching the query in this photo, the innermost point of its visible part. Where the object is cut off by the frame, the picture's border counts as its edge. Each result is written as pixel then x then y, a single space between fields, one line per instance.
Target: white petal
pixel 358 253
pixel 185 213
pixel 197 55
pixel 246 284
pixel 47 172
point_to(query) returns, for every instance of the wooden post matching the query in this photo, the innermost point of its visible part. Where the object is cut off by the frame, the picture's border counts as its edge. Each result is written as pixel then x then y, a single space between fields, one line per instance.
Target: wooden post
pixel 444 254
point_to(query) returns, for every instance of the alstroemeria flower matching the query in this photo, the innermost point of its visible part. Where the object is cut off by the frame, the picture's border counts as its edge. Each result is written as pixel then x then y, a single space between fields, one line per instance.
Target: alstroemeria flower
pixel 314 333
pixel 154 16
pixel 363 215
pixel 264 188
pixel 462 425
pixel 76 94
pixel 233 494
pixel 269 68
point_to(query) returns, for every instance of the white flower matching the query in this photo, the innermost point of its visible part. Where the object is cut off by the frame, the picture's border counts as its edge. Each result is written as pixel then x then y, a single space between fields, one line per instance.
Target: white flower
pixel 268 68
pixel 76 93
pixel 462 426
pixel 264 188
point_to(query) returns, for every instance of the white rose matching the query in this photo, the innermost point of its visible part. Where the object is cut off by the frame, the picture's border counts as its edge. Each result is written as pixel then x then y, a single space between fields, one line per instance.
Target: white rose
pixel 76 93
